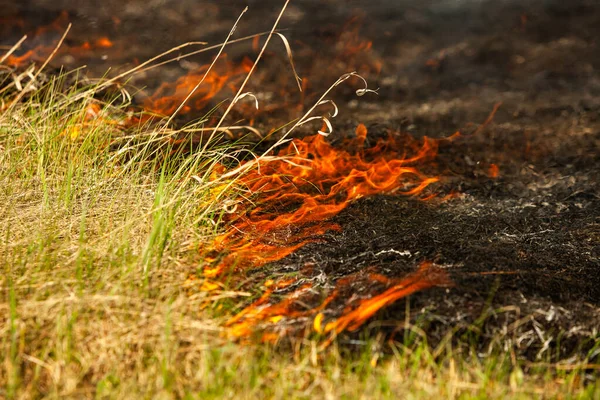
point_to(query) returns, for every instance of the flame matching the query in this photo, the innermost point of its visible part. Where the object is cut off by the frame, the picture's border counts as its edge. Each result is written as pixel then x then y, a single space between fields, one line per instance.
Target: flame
pixel 296 195
pixel 354 50
pixel 295 192
pixel 350 41
pixel 40 51
pixel 44 39
pixel 427 276
pixel 310 182
pixel 167 98
pixel 268 315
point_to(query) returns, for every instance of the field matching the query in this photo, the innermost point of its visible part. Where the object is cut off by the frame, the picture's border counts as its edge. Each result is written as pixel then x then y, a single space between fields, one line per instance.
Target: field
pixel 150 254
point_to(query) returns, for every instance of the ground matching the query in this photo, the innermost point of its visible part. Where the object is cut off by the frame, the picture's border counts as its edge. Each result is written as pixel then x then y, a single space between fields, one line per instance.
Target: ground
pixel 522 249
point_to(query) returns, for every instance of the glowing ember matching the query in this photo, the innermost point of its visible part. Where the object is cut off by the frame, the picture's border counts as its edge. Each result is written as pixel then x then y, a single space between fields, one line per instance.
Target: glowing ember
pixel 104 43
pixel 493 171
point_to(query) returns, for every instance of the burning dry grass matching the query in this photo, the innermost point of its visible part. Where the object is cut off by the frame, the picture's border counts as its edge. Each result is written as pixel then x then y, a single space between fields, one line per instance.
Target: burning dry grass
pixel 93 302
pixel 101 218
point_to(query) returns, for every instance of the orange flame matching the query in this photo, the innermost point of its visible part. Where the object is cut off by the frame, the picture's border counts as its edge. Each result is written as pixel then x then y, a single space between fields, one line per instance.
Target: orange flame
pixel 263 313
pixel 427 276
pixel 44 39
pixel 167 98
pixel 314 183
pixel 296 196
pixel 350 40
pixel 355 50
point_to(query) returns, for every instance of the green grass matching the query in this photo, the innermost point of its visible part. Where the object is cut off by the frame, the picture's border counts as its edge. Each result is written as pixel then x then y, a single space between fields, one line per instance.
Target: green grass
pixel 100 227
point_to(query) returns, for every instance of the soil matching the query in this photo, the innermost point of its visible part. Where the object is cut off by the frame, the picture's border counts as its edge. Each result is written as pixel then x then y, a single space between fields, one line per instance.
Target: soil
pixel 522 249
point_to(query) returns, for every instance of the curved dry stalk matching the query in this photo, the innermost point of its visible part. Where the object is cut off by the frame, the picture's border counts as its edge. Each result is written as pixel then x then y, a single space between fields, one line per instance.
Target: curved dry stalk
pixel 250 94
pixel 240 170
pixel 320 101
pixel 325 120
pixel 288 49
pixel 365 90
pixel 335 107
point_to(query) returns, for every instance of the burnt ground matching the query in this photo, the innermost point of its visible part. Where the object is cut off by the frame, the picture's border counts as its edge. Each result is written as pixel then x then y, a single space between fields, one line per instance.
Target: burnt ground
pixel 522 249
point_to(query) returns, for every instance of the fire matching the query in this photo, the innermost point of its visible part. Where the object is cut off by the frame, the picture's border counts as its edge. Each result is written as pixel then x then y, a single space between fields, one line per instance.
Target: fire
pixel 382 292
pixel 104 43
pixel 426 277
pixel 350 42
pixel 39 49
pixel 311 182
pixel 44 39
pixel 297 195
pixel 355 50
pixel 167 98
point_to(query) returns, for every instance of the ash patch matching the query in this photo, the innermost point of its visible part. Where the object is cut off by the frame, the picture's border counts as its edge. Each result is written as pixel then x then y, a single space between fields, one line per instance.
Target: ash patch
pixel 530 246
pixel 522 258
